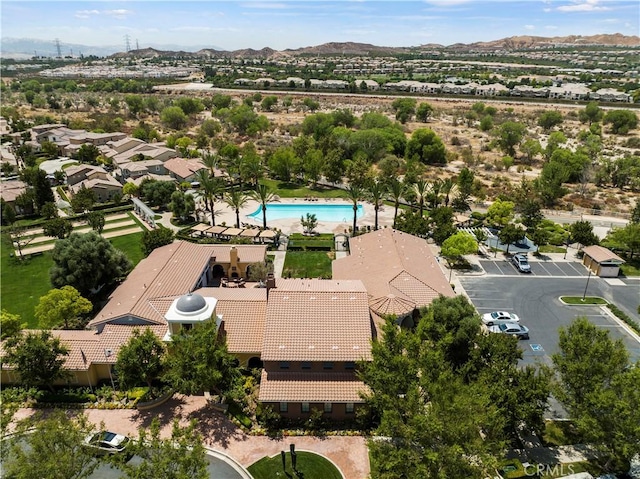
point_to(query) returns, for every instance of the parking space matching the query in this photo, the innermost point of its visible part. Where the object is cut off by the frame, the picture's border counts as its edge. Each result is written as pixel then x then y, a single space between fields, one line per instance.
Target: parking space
pixel 536 300
pixel 503 267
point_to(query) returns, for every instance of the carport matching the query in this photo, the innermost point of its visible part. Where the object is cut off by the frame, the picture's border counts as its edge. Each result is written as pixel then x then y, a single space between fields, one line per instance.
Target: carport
pixel 601 261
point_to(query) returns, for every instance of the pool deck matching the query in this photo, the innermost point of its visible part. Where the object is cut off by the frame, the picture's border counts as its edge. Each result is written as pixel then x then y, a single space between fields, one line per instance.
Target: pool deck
pixel 292 225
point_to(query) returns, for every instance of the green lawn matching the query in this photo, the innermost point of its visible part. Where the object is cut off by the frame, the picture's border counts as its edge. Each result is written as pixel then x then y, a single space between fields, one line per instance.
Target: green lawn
pixel 549 248
pixel 289 190
pixel 308 264
pixel 559 433
pixel 309 466
pixel 631 267
pixel 23 282
pixel 578 300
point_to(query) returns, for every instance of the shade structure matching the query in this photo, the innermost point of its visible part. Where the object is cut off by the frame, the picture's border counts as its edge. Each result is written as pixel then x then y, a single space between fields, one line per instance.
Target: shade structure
pixel 232 232
pixel 250 233
pixel 216 230
pixel 268 234
pixel 200 227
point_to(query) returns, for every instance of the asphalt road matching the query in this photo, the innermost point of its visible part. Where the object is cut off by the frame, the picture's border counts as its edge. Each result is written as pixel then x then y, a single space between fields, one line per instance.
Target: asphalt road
pixel 535 299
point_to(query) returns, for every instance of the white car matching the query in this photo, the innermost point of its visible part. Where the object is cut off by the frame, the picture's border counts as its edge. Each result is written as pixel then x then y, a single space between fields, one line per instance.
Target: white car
pixel 107 442
pixel 499 317
pixel 521 263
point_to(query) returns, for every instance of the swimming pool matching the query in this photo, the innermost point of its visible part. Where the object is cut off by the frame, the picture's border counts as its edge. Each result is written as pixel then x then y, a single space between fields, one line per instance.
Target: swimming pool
pixel 324 212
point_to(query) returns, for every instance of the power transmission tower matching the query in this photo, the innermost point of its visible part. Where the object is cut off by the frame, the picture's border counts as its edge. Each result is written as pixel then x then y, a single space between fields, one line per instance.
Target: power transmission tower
pixel 127 43
pixel 137 45
pixel 58 48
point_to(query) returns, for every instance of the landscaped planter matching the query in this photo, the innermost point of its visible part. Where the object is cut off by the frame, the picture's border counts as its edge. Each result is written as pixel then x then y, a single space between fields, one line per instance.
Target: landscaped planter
pixel 143 406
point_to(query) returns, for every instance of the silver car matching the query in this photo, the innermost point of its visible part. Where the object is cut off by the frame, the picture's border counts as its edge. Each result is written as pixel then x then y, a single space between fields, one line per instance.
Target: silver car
pixel 521 262
pixel 511 327
pixel 106 442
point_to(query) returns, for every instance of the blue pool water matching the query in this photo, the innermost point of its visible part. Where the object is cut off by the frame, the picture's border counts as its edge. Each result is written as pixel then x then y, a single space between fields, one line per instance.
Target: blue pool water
pixel 323 212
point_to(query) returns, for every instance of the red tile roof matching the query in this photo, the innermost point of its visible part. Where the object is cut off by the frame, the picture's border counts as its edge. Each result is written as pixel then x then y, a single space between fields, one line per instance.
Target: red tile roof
pixel 317 320
pixel 310 387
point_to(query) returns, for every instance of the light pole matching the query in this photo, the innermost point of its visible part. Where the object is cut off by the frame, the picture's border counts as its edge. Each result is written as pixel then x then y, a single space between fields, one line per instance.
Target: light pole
pixel 584 295
pixel 107 354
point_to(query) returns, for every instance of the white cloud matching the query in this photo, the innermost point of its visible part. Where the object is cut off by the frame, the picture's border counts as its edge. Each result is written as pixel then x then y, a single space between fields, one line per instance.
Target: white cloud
pixel 190 29
pixel 119 13
pixel 583 6
pixel 529 27
pixel 264 5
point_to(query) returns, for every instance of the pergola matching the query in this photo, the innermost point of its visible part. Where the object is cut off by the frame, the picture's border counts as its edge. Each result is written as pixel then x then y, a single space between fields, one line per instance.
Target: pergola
pixel 250 233
pixel 144 212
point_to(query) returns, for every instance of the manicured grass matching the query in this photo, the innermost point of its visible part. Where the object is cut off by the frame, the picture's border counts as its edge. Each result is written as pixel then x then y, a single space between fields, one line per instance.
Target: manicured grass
pixel 321 241
pixel 578 300
pixel 549 248
pixel 289 190
pixel 131 245
pixel 23 282
pixel 309 465
pixel 631 267
pixel 308 264
pixel 559 433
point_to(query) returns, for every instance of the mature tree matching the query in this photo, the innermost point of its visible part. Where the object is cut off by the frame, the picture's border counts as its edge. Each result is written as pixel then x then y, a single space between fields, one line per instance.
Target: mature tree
pixel 530 148
pixel 198 360
pixel 189 105
pixel 268 102
pixel 412 222
pixel 396 189
pixel 180 456
pixel 236 199
pixel 87 262
pixel 96 220
pixel 582 233
pixel 8 214
pixel 510 135
pixel 173 117
pixel 57 228
pixel 140 360
pixel 599 388
pixel 83 200
pixel 456 246
pixel 263 195
pixel 621 121
pixel 210 189
pixel 61 307
pixel 157 193
pixel 309 223
pixel 500 213
pixel 182 205
pixel 626 239
pixel 635 214
pixel 312 166
pixel 37 357
pixel 449 188
pixel 549 119
pixel 426 147
pixel 530 212
pixel 591 113
pixel 88 153
pixel 155 238
pixel 49 211
pixel 405 108
pixel 284 163
pixel 354 194
pixel 442 223
pixel 130 189
pixel 258 272
pixel 10 324
pixel 37 179
pixel 51 447
pixel 511 234
pixel 135 103
pixel 423 112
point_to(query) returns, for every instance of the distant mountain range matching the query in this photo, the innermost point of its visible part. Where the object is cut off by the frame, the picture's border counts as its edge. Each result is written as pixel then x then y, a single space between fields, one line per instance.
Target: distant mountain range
pixel 26 48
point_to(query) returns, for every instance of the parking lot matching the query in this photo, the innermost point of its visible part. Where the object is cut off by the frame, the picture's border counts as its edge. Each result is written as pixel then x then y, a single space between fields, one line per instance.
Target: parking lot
pixel 499 266
pixel 536 300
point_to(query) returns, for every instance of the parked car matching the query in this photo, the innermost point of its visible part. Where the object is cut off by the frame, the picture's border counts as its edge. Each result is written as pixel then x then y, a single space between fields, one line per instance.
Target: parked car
pixel 511 327
pixel 107 442
pixel 499 317
pixel 521 262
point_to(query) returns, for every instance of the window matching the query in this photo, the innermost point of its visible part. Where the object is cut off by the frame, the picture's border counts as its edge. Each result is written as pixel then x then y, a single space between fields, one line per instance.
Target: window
pixel 187 326
pixel 327 407
pixel 327 365
pixel 304 407
pixel 284 365
pixel 349 365
pixel 284 407
pixel 306 365
pixel 348 408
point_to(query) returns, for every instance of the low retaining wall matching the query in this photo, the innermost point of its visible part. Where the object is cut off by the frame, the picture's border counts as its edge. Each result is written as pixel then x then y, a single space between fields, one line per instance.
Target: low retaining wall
pixel 143 406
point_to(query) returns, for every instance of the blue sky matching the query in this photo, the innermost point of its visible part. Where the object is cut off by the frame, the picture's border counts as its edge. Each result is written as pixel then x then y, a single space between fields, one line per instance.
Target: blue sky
pixel 282 24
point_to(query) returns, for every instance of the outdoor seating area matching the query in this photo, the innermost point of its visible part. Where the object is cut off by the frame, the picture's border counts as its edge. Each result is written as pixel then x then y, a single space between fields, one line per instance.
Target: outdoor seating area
pixel 232 283
pixel 258 235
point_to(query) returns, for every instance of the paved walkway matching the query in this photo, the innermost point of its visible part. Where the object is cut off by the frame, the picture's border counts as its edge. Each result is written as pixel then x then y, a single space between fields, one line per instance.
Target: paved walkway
pixel 349 453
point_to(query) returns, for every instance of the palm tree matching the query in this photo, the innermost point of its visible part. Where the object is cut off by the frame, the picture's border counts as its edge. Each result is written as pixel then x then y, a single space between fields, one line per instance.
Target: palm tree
pixel 421 189
pixel 397 189
pixel 210 188
pixel 211 161
pixel 264 195
pixel 236 199
pixel 449 188
pixel 354 193
pixel 376 190
pixel 434 193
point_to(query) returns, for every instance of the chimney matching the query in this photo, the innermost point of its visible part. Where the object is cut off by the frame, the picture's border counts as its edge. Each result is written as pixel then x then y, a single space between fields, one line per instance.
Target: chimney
pixel 271 282
pixel 233 257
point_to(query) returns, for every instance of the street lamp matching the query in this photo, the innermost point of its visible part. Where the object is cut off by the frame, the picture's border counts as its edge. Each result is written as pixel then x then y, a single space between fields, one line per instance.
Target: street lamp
pixel 107 354
pixel 584 295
